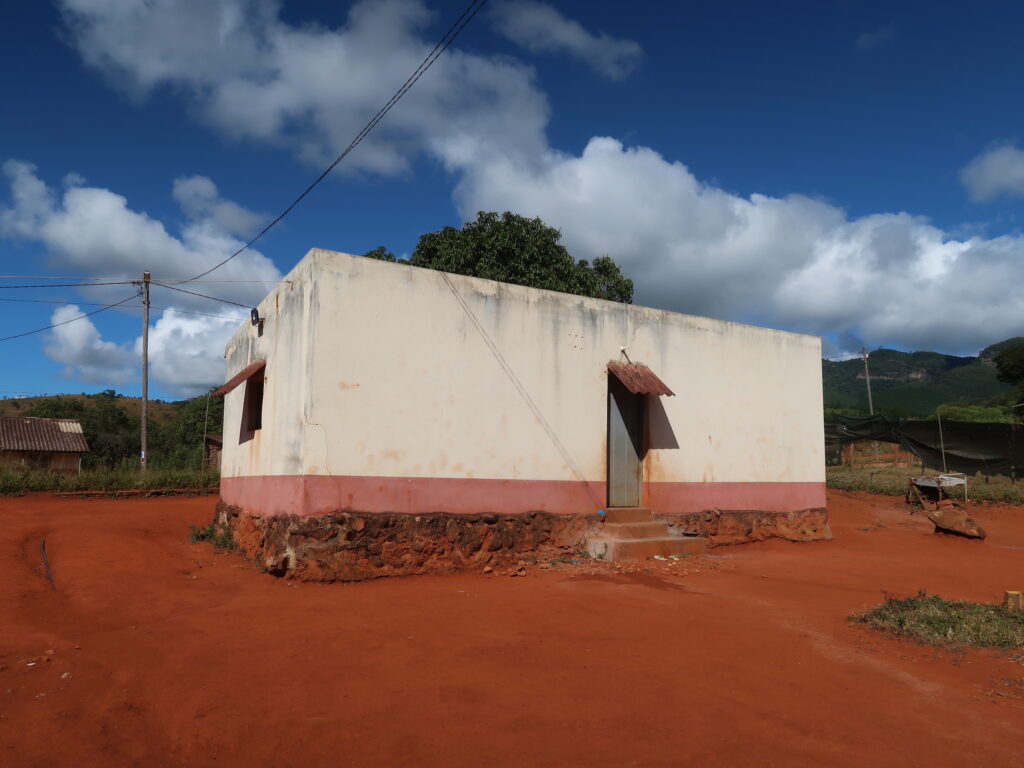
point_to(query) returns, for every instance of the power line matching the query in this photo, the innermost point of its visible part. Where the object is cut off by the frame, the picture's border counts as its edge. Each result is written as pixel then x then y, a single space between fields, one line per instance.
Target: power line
pixel 70 285
pixel 202 295
pixel 53 301
pixel 73 319
pixel 123 279
pixel 126 306
pixel 188 312
pixel 193 280
pixel 52 277
pixel 442 45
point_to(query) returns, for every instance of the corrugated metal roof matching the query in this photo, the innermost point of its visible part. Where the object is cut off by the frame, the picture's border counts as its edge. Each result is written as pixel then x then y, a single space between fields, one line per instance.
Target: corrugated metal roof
pixel 638 378
pixel 239 377
pixel 23 433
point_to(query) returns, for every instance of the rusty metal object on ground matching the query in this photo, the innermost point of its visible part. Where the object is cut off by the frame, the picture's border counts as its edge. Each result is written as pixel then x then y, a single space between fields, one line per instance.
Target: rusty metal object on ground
pixel 956 521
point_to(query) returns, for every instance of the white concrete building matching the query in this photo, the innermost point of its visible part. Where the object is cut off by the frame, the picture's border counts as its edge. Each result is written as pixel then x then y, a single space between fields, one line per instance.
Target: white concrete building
pixel 373 387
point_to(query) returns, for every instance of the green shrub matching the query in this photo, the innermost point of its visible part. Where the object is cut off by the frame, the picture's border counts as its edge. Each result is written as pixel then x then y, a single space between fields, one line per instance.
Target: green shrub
pixel 218 534
pixel 951 623
pixel 113 480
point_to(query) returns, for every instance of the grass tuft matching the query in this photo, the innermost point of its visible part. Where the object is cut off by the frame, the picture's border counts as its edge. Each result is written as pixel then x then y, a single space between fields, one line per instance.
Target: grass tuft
pixel 218 534
pixel 18 483
pixel 948 623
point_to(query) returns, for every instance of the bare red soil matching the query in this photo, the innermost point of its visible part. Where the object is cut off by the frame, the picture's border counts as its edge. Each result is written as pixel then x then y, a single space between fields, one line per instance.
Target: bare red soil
pixel 153 651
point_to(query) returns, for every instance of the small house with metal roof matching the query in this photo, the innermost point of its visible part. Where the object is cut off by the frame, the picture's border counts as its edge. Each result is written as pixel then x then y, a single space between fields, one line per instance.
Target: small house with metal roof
pixel 52 445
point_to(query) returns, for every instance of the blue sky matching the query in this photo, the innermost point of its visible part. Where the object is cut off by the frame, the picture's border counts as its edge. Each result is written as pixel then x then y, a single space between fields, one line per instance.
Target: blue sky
pixel 849 169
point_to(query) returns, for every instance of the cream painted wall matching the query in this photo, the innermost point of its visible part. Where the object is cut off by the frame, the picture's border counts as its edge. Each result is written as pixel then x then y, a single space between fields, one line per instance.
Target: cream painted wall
pixel 377 369
pixel 277 447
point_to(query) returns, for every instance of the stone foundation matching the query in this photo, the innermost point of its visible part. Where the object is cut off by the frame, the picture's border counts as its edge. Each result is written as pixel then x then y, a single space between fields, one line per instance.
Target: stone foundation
pixel 349 546
pixel 740 526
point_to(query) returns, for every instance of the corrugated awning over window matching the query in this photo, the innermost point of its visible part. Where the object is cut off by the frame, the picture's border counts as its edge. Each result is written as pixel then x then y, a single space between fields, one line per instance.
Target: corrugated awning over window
pixel 239 377
pixel 638 378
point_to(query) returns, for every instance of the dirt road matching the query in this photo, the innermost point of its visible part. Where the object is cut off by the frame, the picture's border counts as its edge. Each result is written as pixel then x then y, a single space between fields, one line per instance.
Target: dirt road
pixel 153 651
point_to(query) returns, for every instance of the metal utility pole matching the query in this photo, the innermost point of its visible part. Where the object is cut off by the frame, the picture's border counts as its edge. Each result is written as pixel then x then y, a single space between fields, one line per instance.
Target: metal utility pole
pixel 867 378
pixel 145 367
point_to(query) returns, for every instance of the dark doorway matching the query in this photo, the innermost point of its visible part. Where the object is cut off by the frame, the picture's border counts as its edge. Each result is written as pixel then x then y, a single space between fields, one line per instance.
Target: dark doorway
pixel 626 445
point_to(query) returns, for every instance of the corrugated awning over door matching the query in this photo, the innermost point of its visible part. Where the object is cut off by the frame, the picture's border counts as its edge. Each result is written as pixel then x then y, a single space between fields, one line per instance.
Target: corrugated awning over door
pixel 638 379
pixel 239 377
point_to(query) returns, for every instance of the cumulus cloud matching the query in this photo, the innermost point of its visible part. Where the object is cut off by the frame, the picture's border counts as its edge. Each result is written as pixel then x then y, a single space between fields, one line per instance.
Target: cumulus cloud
pixel 199 199
pixel 187 352
pixel 539 28
pixel 78 346
pixel 252 76
pixel 998 171
pixel 794 261
pixel 94 231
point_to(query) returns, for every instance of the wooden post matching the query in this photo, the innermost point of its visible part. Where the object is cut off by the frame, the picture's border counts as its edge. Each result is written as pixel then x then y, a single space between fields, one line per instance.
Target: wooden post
pixel 145 369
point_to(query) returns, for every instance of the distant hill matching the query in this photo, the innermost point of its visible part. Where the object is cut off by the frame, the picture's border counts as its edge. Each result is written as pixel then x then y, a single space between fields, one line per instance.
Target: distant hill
pixel 913 383
pixel 159 410
pixel 111 425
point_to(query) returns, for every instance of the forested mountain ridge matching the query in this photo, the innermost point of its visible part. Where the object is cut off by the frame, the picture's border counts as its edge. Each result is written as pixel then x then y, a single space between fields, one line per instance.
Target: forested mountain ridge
pixel 913 383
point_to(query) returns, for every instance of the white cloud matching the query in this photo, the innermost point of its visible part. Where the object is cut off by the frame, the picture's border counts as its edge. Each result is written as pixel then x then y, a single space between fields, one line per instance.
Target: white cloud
pixel 998 171
pixel 252 76
pixel 187 352
pixel 77 345
pixel 198 198
pixel 690 246
pixel 795 261
pixel 94 231
pixel 539 28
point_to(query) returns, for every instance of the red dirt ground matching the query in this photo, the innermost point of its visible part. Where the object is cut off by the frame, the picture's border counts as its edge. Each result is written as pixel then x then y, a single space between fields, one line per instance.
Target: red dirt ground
pixel 153 651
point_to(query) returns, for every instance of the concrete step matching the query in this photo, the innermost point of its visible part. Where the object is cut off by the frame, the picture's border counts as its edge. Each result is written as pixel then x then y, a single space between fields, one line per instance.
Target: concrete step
pixel 627 515
pixel 634 530
pixel 615 550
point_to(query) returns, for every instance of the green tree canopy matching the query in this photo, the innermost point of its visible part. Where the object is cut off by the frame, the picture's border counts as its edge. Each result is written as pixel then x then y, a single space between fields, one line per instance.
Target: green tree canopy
pixel 514 249
pixel 1010 365
pixel 178 442
pixel 112 434
pixel 381 254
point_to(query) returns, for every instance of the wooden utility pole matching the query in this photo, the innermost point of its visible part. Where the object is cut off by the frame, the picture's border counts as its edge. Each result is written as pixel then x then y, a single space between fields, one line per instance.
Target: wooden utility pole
pixel 867 378
pixel 145 367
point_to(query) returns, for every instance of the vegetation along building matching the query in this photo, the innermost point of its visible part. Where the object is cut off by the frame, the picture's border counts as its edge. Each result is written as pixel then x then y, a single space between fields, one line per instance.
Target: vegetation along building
pixel 53 445
pixel 383 418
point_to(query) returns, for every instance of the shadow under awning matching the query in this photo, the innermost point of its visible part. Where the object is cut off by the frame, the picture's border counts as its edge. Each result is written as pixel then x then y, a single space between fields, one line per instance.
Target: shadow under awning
pixel 638 379
pixel 239 377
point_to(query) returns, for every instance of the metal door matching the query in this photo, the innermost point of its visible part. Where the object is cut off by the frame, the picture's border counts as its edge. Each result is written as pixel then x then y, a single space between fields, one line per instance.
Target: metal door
pixel 625 445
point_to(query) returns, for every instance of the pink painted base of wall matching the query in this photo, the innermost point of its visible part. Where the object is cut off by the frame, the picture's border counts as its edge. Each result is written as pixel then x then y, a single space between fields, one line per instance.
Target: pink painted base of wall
pixel 765 497
pixel 310 495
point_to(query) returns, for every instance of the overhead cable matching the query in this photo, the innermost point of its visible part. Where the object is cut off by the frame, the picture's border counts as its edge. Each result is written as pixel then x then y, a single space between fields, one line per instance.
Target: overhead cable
pixel 53 301
pixel 119 280
pixel 71 285
pixel 442 45
pixel 73 319
pixel 201 295
pixel 53 277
